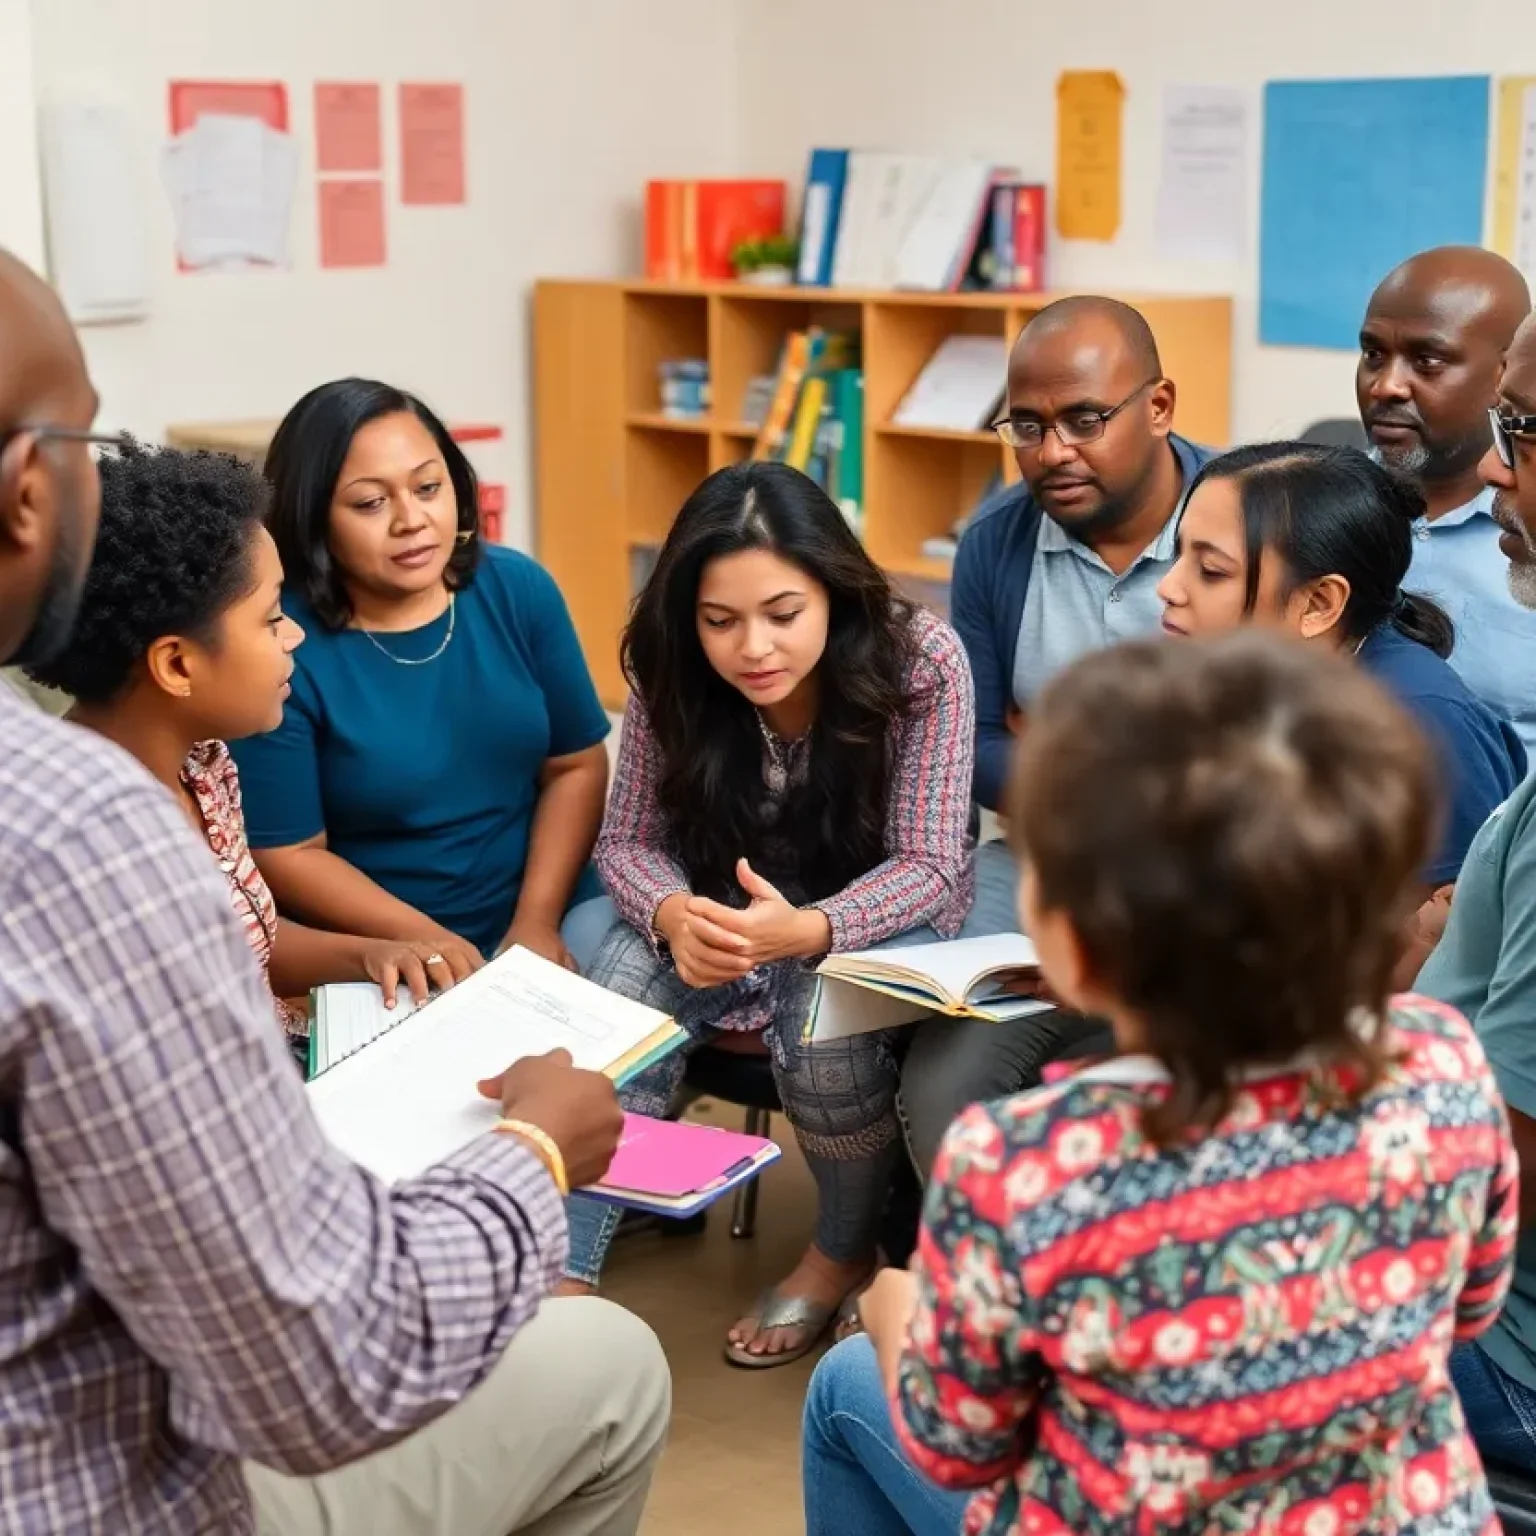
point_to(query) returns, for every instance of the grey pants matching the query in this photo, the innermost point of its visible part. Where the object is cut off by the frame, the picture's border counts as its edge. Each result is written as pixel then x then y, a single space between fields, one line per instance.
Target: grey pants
pixel 840 1097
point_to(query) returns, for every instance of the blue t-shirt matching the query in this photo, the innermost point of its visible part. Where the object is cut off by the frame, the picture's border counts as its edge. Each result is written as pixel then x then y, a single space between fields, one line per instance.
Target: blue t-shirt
pixel 1480 756
pixel 426 777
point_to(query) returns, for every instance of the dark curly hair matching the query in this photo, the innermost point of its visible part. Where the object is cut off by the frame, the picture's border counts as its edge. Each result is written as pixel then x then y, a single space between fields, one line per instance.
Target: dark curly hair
pixel 173 552
pixel 711 743
pixel 304 463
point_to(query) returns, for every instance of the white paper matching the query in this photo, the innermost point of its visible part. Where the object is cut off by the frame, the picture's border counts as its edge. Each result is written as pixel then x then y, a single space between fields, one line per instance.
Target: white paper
pixel 960 385
pixel 409 1099
pixel 231 182
pixel 1202 202
pixel 1525 188
pixel 95 199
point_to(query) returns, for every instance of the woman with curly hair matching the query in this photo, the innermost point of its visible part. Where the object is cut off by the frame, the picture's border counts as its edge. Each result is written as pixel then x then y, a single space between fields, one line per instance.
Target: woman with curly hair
pixel 794 777
pixel 181 644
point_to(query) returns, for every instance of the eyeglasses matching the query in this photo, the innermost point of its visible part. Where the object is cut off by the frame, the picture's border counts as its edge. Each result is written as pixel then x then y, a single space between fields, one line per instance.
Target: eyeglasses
pixel 1505 430
pixel 1074 429
pixel 67 434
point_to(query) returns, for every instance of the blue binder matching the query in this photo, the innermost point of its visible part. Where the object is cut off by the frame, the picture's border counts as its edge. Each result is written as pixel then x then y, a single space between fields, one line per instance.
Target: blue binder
pixel 820 215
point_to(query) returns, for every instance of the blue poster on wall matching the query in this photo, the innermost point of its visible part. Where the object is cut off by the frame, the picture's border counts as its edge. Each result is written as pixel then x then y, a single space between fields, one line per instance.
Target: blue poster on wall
pixel 1358 175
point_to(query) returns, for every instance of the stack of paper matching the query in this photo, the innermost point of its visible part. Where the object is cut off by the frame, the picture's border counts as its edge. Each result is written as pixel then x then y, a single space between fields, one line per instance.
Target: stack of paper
pixel 231 182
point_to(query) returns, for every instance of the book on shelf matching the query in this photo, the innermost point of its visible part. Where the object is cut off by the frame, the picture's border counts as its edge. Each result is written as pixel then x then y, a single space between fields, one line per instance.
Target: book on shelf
pixel 960 387
pixel 395 1089
pixel 821 215
pixel 692 227
pixel 958 978
pixel 1012 258
pixel 807 355
pixel 677 1168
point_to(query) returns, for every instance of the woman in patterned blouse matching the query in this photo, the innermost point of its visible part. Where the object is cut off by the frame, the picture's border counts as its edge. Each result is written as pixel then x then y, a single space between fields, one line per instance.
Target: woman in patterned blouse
pixel 794 777
pixel 1211 1285
pixel 181 645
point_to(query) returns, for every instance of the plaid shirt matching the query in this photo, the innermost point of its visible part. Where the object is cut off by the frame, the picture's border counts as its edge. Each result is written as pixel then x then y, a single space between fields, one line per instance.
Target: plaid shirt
pixel 189 1273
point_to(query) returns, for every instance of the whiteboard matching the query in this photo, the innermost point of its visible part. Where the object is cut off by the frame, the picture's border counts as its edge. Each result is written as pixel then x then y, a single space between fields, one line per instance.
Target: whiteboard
pixel 21 197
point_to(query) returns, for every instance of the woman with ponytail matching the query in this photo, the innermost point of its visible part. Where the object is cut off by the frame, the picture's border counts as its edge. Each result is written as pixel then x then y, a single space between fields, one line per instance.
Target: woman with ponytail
pixel 1317 540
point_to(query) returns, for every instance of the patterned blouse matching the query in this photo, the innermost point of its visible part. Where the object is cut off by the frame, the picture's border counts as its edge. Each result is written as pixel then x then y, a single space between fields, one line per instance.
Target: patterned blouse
pixel 926 876
pixel 1249 1335
pixel 211 776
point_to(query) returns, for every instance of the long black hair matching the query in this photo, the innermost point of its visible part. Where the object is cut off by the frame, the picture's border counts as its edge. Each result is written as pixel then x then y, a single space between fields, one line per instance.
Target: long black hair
pixel 1332 511
pixel 303 464
pixel 711 781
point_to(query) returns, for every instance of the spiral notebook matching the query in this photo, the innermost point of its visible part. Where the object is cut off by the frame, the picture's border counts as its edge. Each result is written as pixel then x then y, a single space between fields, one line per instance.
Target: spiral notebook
pixel 396 1088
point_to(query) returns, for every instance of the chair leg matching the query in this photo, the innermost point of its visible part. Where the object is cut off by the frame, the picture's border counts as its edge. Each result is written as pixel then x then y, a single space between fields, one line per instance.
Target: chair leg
pixel 744 1212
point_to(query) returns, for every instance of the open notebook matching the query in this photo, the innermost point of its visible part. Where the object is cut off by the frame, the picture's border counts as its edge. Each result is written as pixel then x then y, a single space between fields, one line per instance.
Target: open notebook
pixel 395 1088
pixel 963 978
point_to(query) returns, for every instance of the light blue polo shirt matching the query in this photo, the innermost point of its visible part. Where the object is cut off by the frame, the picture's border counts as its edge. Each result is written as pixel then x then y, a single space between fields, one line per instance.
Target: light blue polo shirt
pixel 1456 561
pixel 1075 604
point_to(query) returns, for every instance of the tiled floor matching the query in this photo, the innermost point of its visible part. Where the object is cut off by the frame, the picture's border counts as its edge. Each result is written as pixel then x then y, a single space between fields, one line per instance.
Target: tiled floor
pixel 733 1463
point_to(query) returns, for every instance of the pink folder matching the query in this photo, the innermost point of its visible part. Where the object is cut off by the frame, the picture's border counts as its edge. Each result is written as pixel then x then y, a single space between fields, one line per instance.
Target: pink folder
pixel 674 1158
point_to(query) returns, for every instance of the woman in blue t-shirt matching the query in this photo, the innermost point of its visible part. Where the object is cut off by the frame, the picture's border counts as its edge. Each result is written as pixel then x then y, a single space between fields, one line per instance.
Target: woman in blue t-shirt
pixel 1317 540
pixel 442 753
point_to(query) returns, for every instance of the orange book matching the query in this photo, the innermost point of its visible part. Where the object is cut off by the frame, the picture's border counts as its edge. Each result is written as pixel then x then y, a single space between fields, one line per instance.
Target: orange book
pixel 691 227
pixel 797 356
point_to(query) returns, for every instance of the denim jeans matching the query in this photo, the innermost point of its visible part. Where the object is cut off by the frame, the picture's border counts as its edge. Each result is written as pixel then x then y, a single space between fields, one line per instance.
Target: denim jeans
pixel 1500 1412
pixel 858 1481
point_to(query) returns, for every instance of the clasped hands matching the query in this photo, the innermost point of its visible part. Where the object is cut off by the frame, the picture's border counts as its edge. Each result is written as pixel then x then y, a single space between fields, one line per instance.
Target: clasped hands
pixel 713 944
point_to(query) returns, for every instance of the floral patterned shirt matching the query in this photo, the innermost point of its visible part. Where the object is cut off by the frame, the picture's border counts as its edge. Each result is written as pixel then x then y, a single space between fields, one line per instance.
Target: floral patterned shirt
pixel 211 775
pixel 1249 1334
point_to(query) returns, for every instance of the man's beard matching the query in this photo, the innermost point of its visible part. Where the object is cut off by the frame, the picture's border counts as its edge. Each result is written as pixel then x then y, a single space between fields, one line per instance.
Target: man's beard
pixel 1420 458
pixel 55 619
pixel 1522 573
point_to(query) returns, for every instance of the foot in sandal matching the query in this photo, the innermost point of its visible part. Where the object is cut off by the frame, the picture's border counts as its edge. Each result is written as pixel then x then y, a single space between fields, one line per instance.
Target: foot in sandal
pixel 790 1319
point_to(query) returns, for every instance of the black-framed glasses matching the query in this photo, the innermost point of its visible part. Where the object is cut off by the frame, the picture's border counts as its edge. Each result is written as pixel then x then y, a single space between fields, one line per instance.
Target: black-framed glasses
pixel 1074 429
pixel 1505 430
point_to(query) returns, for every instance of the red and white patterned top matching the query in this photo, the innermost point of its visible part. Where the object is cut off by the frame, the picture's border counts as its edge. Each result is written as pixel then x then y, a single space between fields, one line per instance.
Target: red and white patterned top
pixel 210 773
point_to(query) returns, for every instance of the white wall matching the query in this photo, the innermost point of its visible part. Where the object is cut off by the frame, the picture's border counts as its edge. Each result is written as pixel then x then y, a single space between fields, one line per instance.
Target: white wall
pixel 21 210
pixel 571 105
pixel 979 76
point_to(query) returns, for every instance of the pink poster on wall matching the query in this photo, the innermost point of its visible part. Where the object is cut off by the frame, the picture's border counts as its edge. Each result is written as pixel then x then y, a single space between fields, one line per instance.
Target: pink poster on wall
pixel 347 127
pixel 431 144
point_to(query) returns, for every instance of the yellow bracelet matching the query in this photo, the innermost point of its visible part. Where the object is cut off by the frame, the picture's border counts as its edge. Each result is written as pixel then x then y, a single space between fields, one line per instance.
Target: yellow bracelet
pixel 544 1148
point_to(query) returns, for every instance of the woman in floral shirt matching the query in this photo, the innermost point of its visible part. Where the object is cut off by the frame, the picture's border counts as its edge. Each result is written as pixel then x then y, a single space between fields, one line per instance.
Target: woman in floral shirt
pixel 181 645
pixel 1211 1285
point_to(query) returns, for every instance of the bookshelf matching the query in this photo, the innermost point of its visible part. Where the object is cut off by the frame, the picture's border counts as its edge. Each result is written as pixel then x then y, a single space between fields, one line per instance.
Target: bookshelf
pixel 612 470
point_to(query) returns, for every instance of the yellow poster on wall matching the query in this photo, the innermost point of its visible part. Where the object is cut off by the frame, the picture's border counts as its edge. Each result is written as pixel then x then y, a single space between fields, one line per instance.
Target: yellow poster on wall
pixel 1514 169
pixel 1088 113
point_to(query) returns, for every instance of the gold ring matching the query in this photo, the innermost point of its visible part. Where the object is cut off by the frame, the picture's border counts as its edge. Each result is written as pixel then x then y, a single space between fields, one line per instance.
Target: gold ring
pixel 435 959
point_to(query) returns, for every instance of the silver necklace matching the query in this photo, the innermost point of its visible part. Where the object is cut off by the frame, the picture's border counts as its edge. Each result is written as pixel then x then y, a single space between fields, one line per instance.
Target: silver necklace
pixel 417 661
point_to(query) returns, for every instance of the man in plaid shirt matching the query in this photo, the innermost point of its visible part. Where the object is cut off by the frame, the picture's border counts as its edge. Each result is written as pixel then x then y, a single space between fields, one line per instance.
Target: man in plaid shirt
pixel 210 1320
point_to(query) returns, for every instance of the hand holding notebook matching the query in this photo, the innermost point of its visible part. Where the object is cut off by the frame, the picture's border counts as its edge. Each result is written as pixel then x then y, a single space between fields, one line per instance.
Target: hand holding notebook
pixel 578 1110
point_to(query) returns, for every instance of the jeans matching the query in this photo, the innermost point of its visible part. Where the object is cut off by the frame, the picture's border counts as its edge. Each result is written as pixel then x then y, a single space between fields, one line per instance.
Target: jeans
pixel 954 1063
pixel 585 927
pixel 858 1481
pixel 839 1096
pixel 1500 1412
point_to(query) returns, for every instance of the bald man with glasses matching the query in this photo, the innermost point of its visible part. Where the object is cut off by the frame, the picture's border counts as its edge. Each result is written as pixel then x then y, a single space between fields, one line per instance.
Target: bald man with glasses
pixel 1064 563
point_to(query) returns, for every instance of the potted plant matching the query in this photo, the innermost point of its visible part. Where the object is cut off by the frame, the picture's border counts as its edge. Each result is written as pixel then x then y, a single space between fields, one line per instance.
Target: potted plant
pixel 768 259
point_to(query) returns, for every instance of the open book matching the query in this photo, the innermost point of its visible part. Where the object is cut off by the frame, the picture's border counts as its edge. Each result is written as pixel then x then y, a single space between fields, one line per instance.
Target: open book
pixel 395 1089
pixel 963 978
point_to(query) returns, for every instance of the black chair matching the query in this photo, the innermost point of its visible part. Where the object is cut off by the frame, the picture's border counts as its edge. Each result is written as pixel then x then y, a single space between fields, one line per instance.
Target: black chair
pixel 1337 432
pixel 1514 1497
pixel 737 1079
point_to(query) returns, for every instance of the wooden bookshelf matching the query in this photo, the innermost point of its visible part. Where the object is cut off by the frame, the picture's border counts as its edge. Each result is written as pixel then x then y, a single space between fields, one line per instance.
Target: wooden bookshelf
pixel 612 470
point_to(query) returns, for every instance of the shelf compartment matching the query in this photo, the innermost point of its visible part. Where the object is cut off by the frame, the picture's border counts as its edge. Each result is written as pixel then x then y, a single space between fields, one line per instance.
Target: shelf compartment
pixel 661 471
pixel 659 327
pixel 917 488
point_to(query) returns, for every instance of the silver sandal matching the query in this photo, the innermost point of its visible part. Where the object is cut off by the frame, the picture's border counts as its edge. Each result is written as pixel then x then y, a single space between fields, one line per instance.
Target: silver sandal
pixel 775 1311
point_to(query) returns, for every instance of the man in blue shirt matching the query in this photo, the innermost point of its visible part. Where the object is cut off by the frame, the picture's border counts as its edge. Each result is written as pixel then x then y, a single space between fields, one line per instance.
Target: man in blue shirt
pixel 1485 964
pixel 1431 345
pixel 1066 562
